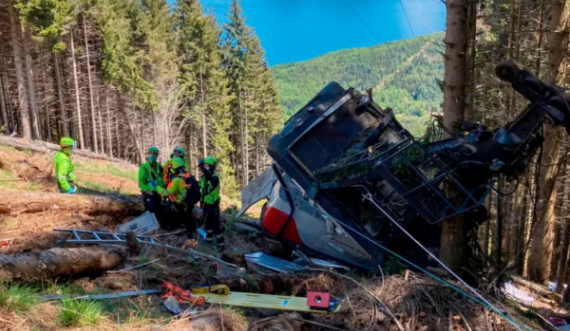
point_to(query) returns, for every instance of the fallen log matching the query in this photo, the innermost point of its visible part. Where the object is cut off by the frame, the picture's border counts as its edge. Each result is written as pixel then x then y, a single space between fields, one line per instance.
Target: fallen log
pixel 30 202
pixel 542 290
pixel 59 262
pixel 45 147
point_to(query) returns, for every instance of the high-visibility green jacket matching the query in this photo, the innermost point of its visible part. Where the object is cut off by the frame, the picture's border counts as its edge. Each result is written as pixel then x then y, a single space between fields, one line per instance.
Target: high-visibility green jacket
pixel 176 190
pixel 167 174
pixel 210 186
pixel 63 170
pixel 148 173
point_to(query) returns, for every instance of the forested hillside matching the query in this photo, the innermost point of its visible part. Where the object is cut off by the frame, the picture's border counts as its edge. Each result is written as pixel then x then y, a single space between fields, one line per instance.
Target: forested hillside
pixel 121 75
pixel 403 74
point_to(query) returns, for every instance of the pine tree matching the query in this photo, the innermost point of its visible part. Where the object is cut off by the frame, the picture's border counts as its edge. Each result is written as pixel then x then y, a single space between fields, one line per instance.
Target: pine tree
pixel 543 241
pixel 234 63
pixel 204 85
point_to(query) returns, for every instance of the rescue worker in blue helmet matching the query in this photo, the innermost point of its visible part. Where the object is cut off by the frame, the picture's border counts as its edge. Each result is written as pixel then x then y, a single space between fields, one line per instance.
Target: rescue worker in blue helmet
pixel 210 187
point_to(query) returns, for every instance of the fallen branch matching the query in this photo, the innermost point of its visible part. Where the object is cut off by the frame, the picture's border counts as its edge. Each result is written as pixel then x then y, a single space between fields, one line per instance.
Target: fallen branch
pixel 45 147
pixel 59 262
pixel 30 202
pixel 542 290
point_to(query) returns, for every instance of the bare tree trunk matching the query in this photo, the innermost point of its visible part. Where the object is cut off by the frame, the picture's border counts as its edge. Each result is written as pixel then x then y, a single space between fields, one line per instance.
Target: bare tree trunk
pixel 100 124
pixel 204 128
pixel 120 150
pixel 63 119
pixel 3 106
pixel 540 38
pixel 471 33
pixel 257 156
pixel 523 233
pixel 499 227
pixel 132 129
pixel 542 245
pixel 26 36
pixel 563 259
pixel 109 138
pixel 77 99
pixel 246 147
pixel 20 79
pixel 46 105
pixel 143 131
pixel 90 84
pixel 454 241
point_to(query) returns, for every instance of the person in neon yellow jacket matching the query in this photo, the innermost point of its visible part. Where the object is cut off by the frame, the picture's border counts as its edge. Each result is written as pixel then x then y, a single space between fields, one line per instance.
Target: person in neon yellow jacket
pixel 175 212
pixel 179 153
pixel 64 170
pixel 151 171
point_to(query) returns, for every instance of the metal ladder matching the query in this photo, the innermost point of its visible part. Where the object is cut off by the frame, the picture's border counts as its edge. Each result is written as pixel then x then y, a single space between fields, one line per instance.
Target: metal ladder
pixel 97 237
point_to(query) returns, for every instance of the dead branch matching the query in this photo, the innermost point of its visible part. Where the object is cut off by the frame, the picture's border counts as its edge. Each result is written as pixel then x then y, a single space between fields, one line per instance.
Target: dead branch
pixel 29 202
pixel 542 290
pixel 45 147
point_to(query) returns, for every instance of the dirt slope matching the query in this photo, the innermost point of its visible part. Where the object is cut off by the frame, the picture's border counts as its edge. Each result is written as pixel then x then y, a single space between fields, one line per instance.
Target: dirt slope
pixel 24 174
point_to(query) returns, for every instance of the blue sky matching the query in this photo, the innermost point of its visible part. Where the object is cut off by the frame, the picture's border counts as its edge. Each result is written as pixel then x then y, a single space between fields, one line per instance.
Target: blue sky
pixel 297 30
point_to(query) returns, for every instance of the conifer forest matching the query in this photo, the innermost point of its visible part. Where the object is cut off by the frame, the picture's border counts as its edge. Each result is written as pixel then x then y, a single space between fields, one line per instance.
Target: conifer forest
pixel 119 76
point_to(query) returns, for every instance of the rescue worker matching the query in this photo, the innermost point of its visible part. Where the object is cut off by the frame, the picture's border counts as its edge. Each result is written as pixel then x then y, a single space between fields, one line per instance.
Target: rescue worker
pixel 175 211
pixel 64 167
pixel 178 152
pixel 210 186
pixel 151 171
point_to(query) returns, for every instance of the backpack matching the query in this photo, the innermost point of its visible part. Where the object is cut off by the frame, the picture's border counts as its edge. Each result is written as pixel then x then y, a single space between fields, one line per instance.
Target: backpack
pixel 192 190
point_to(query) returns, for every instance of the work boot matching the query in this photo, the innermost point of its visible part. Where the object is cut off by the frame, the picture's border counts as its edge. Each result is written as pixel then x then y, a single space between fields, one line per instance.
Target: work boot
pixel 210 236
pixel 220 241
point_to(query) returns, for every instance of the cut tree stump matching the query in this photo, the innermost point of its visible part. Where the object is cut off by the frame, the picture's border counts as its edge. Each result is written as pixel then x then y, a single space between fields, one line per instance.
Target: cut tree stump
pixel 29 202
pixel 59 262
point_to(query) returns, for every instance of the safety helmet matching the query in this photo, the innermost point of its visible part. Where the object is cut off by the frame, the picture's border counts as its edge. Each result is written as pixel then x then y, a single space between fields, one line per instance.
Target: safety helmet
pixel 180 150
pixel 153 149
pixel 67 142
pixel 177 163
pixel 211 161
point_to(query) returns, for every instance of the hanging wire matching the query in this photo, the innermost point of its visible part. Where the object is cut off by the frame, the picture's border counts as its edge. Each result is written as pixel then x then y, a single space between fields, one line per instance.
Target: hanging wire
pixel 361 20
pixel 407 19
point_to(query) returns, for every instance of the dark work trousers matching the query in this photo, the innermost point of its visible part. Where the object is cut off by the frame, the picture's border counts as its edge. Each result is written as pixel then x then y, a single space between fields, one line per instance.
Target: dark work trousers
pixel 173 216
pixel 152 203
pixel 212 222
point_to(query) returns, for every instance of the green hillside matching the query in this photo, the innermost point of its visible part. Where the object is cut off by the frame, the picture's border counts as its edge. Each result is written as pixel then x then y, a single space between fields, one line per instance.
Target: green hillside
pixel 403 74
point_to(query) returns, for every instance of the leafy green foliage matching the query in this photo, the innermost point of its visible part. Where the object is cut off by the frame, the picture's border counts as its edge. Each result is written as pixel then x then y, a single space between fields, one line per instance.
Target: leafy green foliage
pixel 19 298
pixel 403 75
pixel 80 313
